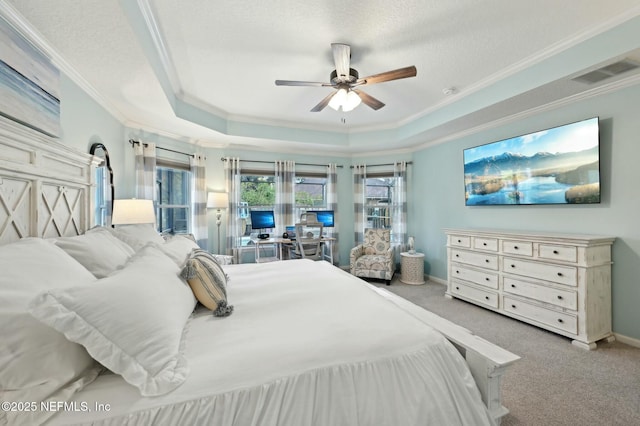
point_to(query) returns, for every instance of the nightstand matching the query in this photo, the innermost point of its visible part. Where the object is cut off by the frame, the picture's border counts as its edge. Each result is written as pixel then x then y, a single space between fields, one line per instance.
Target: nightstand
pixel 412 268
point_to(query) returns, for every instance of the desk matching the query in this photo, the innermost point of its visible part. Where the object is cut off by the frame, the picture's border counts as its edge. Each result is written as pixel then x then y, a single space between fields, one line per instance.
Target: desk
pixel 279 243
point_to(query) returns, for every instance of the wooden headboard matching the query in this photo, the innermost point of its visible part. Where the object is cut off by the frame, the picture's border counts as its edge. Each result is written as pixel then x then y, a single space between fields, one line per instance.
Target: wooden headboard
pixel 45 186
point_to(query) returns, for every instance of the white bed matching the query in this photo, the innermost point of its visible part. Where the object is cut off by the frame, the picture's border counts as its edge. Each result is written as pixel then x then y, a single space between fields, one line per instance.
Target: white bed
pixel 307 343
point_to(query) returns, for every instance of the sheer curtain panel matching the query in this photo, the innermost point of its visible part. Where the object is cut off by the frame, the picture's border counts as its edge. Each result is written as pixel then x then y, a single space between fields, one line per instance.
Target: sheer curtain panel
pixel 234 221
pixel 199 227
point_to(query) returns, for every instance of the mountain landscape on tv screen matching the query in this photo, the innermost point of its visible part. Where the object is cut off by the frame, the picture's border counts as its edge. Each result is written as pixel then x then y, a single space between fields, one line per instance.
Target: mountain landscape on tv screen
pixel 542 178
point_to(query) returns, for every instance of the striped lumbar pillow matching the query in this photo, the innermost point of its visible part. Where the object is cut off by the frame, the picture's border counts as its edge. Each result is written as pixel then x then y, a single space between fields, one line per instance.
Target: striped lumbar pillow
pixel 207 281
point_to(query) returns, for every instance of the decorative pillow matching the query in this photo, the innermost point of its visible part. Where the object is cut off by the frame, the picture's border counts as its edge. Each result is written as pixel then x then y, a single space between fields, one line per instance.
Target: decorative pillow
pixel 132 322
pixel 36 361
pixel 208 282
pixel 178 248
pixel 138 236
pixel 97 250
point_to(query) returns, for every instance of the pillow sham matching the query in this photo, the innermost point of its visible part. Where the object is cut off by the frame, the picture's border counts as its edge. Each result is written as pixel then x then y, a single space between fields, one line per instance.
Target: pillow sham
pixel 98 250
pixel 178 247
pixel 208 282
pixel 138 236
pixel 132 322
pixel 36 361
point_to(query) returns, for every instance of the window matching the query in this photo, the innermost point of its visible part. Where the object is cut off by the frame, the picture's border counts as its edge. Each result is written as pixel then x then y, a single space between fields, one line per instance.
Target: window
pixel 378 201
pixel 311 192
pixel 258 192
pixel 173 184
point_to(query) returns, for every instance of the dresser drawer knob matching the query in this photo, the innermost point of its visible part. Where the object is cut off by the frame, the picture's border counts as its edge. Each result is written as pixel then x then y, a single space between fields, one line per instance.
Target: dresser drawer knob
pixel 457 255
pixel 513 266
pixel 487 279
pixel 555 252
pixel 486 260
pixel 459 241
pixel 457 288
pixel 486 297
pixel 560 320
pixel 457 272
pixel 559 297
pixel 515 247
pixel 484 244
pixel 559 274
pixel 513 306
pixel 513 286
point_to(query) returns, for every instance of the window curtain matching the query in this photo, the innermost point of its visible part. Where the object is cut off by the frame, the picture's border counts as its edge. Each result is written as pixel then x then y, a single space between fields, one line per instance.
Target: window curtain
pixel 332 204
pixel 199 227
pixel 235 228
pixel 399 207
pixel 285 175
pixel 145 164
pixel 359 189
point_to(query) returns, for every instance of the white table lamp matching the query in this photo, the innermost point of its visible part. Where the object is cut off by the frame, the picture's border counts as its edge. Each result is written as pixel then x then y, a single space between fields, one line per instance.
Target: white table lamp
pixel 132 211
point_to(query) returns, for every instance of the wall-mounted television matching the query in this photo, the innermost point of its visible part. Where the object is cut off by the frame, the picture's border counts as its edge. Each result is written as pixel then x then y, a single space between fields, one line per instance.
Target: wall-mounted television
pixel 324 216
pixel 262 219
pixel 560 165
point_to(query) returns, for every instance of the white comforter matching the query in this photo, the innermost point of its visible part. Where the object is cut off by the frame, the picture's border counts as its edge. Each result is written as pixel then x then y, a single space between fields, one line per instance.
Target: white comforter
pixel 307 344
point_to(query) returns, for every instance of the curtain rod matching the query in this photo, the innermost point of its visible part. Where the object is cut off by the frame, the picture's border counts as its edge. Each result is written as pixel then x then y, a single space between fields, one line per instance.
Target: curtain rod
pixel 271 162
pixel 386 164
pixel 132 142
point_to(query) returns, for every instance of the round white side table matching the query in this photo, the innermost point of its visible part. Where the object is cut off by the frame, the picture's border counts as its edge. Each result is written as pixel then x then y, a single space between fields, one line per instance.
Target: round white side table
pixel 412 268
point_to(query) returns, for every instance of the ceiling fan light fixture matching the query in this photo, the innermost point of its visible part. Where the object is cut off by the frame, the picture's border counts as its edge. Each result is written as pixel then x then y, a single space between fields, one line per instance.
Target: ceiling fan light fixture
pixel 338 99
pixel 352 101
pixel 345 99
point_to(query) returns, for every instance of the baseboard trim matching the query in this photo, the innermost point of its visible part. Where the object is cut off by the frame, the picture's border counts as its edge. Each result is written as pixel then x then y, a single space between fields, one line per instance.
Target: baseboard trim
pixel 627 340
pixel 435 280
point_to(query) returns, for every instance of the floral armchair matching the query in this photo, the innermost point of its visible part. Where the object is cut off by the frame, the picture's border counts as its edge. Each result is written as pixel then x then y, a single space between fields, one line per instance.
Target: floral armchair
pixel 375 258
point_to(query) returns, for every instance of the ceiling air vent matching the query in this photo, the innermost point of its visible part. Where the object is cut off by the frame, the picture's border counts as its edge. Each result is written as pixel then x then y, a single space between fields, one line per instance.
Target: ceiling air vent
pixel 607 71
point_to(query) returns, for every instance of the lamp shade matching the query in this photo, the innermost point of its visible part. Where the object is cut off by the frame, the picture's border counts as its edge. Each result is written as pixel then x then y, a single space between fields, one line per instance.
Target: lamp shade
pixel 128 212
pixel 217 200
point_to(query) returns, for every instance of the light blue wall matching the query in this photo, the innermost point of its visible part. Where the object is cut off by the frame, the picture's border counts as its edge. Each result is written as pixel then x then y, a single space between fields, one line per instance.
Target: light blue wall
pixel 84 122
pixel 438 196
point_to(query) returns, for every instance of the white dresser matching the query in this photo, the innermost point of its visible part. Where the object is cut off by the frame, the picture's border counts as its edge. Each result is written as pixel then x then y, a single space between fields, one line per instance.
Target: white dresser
pixel 558 282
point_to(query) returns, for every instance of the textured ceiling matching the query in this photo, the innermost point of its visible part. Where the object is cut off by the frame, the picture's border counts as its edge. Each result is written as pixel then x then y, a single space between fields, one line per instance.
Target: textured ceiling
pixel 204 70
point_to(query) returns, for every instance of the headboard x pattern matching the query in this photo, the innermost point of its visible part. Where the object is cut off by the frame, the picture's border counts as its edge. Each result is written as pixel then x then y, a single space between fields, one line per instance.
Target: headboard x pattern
pixel 45 186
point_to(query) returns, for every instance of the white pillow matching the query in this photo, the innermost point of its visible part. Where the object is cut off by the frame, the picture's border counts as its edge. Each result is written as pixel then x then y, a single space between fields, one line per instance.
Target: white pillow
pixel 178 247
pixel 36 361
pixel 132 322
pixel 97 250
pixel 138 236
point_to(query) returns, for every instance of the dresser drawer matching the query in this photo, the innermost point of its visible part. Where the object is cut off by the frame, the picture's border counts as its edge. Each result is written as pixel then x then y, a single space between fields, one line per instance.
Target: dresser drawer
pixel 567 275
pixel 559 320
pixel 522 248
pixel 562 298
pixel 562 253
pixel 483 260
pixel 489 244
pixel 483 278
pixel 487 298
pixel 460 241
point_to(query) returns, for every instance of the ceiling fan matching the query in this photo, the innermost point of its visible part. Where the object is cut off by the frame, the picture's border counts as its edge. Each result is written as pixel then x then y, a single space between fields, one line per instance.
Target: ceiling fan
pixel 346 80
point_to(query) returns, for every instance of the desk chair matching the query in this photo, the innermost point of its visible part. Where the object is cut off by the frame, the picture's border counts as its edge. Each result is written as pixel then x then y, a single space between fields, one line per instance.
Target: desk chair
pixel 307 245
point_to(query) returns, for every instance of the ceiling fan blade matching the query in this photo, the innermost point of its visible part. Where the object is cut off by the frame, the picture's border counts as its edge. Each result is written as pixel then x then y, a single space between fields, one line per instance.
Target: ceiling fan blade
pixel 369 100
pixel 301 83
pixel 389 75
pixel 342 59
pixel 323 103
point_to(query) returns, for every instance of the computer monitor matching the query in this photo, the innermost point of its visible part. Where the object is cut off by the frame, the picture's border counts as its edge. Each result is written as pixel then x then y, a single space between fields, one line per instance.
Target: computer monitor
pixel 262 219
pixel 324 216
